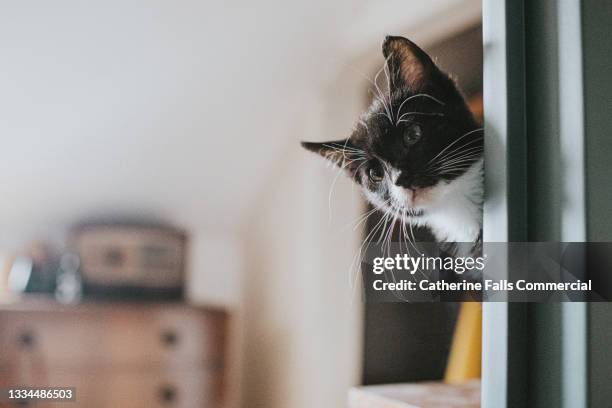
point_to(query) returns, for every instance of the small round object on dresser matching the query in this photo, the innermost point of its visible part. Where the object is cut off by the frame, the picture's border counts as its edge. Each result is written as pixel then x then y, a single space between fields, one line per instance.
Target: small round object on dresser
pixel 169 337
pixel 26 339
pixel 167 394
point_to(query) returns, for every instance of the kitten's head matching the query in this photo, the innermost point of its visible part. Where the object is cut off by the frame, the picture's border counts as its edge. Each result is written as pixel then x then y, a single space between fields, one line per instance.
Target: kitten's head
pixel 417 137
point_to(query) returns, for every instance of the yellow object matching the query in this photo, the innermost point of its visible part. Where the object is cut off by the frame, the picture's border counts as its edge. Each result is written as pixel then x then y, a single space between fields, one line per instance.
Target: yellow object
pixel 465 354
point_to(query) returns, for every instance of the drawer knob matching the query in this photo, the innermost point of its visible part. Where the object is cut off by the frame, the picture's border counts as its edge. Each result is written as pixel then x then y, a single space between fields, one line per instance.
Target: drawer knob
pixel 169 338
pixel 167 394
pixel 26 339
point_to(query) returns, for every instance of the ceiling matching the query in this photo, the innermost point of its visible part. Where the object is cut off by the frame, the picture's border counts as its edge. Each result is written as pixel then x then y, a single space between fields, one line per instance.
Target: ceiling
pixel 176 110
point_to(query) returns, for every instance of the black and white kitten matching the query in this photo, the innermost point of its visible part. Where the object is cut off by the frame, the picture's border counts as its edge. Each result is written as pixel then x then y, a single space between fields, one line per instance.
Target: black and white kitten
pixel 417 151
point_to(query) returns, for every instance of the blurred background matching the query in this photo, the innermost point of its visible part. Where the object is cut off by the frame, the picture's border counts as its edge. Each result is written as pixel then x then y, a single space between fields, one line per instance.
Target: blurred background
pixel 161 231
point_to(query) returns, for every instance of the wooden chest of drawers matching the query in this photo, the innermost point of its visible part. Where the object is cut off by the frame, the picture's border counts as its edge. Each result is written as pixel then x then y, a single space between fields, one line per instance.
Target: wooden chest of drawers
pixel 127 355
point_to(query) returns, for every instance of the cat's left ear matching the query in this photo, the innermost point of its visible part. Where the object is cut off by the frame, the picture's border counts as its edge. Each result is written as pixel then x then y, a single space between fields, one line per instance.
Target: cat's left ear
pixel 337 151
pixel 408 64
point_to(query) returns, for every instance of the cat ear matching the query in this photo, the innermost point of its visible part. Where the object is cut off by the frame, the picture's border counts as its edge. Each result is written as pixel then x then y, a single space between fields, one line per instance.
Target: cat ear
pixel 408 64
pixel 338 152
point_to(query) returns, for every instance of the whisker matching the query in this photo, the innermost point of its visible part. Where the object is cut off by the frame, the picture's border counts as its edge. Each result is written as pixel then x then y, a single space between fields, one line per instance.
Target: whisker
pixel 364 217
pixel 401 118
pixel 455 141
pixel 460 148
pixel 376 91
pixel 465 161
pixel 387 108
pixel 358 258
pixel 386 71
pixel 468 156
pixel 340 148
pixel 357 172
pixel 384 230
pixel 412 243
pixel 465 157
pixel 331 189
pixel 460 152
pixel 389 234
pixel 399 110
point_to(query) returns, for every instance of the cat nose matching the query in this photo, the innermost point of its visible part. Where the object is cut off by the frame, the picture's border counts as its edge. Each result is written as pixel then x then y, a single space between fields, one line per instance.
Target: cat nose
pixel 405 181
pixel 407 186
pixel 411 182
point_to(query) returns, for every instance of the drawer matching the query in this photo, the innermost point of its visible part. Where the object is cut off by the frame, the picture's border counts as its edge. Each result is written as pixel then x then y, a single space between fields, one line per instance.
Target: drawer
pixel 129 389
pixel 114 337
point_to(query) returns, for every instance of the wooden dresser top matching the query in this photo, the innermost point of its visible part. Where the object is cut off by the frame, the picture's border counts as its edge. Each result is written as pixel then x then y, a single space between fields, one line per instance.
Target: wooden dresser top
pixel 34 303
pixel 417 395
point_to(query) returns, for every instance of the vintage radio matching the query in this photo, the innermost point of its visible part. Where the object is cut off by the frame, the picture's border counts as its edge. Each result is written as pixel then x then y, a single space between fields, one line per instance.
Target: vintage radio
pixel 125 261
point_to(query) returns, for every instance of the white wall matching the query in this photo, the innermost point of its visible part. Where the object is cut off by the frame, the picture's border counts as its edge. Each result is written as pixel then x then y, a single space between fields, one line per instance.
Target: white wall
pixel 215 268
pixel 302 319
pixel 139 107
pixel 302 324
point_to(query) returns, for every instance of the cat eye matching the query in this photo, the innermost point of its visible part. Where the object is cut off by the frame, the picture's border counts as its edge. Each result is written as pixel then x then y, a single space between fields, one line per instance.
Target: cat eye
pixel 412 134
pixel 375 172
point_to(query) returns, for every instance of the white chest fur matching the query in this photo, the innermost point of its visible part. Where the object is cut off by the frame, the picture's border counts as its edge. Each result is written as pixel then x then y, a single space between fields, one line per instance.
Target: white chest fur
pixel 456 213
